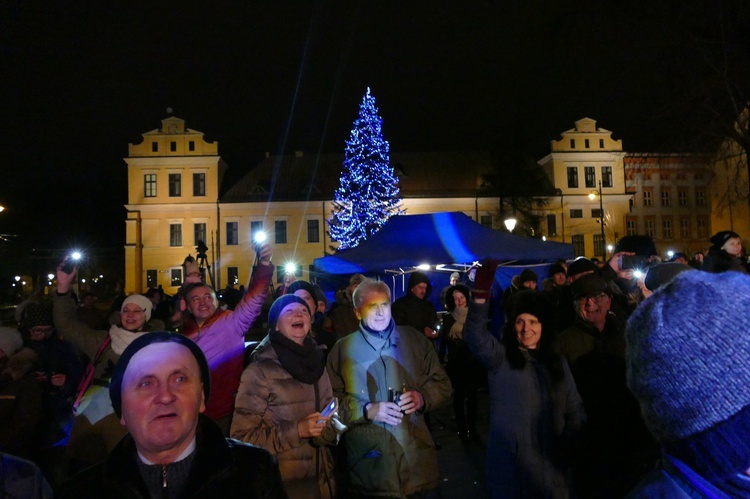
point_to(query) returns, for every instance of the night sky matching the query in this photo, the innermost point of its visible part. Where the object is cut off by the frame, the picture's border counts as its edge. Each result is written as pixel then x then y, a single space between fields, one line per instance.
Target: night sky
pixel 80 80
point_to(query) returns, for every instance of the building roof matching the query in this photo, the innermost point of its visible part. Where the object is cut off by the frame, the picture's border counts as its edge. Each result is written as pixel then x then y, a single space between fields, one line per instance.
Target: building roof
pixel 316 177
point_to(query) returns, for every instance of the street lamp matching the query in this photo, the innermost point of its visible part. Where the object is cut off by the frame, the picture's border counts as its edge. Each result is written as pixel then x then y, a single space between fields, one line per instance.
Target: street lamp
pixel 510 224
pixel 593 195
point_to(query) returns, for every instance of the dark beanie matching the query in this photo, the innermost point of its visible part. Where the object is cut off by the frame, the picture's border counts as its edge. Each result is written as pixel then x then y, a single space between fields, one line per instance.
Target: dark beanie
pixel 588 285
pixel 530 302
pixel 556 269
pixel 718 239
pixel 37 314
pixel 115 384
pixel 278 306
pixel 304 285
pixel 528 275
pixel 688 364
pixel 640 245
pixel 581 265
pixel 663 273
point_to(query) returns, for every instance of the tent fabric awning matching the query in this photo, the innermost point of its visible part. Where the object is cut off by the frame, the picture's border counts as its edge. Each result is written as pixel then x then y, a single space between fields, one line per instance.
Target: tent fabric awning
pixel 406 241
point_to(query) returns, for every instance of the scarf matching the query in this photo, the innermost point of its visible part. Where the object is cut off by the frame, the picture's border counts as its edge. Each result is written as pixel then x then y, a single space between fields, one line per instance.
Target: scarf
pixel 122 338
pixel 304 362
pixel 457 329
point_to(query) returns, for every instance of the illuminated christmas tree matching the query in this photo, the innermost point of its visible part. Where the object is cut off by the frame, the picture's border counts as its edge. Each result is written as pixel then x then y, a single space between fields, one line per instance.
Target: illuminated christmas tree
pixel 368 194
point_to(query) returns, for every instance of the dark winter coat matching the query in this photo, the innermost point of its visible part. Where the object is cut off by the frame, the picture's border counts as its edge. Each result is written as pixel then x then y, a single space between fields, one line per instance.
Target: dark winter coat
pixel 618 448
pixel 718 260
pixel 533 419
pixel 412 311
pixel 222 468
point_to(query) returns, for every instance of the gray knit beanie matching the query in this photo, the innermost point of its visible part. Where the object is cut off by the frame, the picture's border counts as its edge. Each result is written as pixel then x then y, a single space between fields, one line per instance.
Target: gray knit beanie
pixel 688 364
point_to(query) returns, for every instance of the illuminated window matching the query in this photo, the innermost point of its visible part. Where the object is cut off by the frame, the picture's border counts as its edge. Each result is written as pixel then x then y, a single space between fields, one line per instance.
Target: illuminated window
pixel 199 184
pixel 149 185
pixel 700 197
pixel 579 246
pixel 666 229
pixel 590 176
pixel 647 201
pixel 572 176
pixel 151 278
pixel 599 245
pixel 685 228
pixel 682 197
pixel 175 235
pixel 233 275
pixel 665 198
pixel 552 224
pixel 175 185
pixel 175 276
pixel 232 234
pixel 649 224
pixel 199 233
pixel 280 232
pixel 313 231
pixel 702 227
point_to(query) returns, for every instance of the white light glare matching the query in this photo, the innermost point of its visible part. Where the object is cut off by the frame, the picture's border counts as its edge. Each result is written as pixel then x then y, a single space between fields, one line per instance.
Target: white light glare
pixel 259 237
pixel 290 268
pixel 424 266
pixel 76 255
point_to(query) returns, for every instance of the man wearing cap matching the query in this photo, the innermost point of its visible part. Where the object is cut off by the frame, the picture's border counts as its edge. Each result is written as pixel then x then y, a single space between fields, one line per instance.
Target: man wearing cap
pixel 691 377
pixel 95 429
pixel 221 334
pixel 594 346
pixel 158 390
pixel 415 309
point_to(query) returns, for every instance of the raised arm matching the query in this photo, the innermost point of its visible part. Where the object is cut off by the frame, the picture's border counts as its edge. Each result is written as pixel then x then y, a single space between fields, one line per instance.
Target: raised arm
pixel 249 308
pixel 482 345
pixel 64 316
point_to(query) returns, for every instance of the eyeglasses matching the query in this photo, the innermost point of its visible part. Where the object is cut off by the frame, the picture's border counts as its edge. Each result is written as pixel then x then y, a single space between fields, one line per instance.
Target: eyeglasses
pixel 42 329
pixel 595 298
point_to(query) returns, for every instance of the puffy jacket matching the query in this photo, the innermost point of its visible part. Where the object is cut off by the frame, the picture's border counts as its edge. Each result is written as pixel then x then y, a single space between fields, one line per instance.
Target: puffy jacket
pixel 270 403
pixel 222 339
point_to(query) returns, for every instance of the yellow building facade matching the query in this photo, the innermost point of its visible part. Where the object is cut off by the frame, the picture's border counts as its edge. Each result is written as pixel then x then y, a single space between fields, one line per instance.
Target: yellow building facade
pixel 583 159
pixel 176 199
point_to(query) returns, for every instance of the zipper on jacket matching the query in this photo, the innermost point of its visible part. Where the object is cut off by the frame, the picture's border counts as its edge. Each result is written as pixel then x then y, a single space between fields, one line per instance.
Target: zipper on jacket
pixel 164 491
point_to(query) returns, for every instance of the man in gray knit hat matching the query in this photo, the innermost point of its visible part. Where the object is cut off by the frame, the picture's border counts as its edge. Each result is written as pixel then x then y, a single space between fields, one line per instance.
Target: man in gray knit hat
pixel 688 364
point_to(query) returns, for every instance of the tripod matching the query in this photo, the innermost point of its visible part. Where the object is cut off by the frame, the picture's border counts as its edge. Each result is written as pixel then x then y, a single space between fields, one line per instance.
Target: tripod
pixel 202 260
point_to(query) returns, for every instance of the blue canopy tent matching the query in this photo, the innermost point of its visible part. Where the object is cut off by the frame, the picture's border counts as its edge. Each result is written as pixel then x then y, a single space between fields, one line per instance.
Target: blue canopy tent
pixel 447 242
pixel 442 239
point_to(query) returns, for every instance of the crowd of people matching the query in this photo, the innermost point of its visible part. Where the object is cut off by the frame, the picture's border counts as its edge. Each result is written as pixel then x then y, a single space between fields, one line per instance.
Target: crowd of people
pixel 605 379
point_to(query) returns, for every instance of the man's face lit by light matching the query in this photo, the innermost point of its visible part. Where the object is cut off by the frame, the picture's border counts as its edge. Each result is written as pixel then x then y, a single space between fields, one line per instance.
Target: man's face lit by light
pixel 375 311
pixel 420 290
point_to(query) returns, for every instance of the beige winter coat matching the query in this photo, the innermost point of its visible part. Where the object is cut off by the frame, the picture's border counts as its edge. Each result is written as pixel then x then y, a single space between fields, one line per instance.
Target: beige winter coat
pixel 268 407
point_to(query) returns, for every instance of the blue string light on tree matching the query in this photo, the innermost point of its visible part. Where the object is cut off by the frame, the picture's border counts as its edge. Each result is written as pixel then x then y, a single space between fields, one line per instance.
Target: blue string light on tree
pixel 368 193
